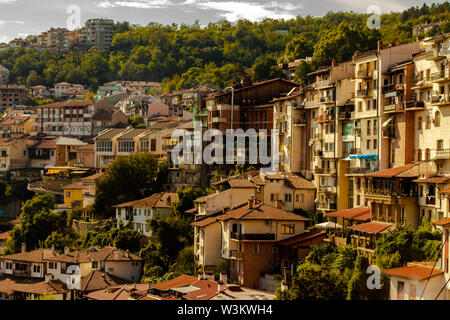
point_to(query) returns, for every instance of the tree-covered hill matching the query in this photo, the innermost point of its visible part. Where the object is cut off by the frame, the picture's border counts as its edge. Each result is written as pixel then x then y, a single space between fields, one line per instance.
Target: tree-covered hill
pixel 183 56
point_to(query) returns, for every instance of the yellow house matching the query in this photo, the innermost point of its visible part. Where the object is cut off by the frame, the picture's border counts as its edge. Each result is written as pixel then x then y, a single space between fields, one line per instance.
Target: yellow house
pixel 73 194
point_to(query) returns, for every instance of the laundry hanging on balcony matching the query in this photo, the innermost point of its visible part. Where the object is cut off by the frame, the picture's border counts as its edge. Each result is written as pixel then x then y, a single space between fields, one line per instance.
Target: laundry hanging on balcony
pixel 362 156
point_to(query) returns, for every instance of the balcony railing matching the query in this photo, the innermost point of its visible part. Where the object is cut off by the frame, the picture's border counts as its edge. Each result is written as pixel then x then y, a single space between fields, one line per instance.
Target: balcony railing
pixel 362 93
pixel 324 118
pixel 252 236
pixel 327 205
pixel 414 104
pixel 361 170
pixel 430 200
pixel 394 107
pixel 390 193
pixel 326 99
pixel 352 151
pixel 442 154
pixel 361 74
pixel 236 254
pixel 441 99
pixel 344 115
pixel 393 87
pixel 323 83
pixel 300 122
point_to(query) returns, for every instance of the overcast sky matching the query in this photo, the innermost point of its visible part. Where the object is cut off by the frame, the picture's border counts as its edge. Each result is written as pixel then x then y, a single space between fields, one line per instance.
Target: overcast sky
pixel 19 18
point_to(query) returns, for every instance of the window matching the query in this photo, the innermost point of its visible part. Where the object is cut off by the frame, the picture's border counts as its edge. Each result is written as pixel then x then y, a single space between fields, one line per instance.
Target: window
pixel 375 126
pixel 428 123
pixel 400 290
pixel 287 229
pixel 94 264
pixel 288 197
pixel 8 265
pixel 256 248
pixel 440 144
pixel 368 128
pixel 104 146
pixel 67 194
pixel 419 123
pixel 427 154
pixel 52 265
pixel 375 143
pixel 437 119
pixel 368 144
pixel 36 269
pixel 419 155
pixel 126 146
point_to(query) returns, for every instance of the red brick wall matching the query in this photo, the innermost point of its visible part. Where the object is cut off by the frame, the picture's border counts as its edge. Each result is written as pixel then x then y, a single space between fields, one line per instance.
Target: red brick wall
pixel 255 263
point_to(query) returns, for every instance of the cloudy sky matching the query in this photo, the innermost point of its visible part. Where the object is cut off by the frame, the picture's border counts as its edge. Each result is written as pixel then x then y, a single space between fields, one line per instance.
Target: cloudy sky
pixel 19 18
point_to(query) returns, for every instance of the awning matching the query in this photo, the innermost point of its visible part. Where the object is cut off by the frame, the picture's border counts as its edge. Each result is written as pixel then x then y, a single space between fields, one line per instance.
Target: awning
pixel 362 156
pixel 384 125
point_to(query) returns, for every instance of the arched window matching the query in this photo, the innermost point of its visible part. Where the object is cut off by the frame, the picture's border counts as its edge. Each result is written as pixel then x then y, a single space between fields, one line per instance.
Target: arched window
pixel 427 154
pixel 419 155
pixel 437 119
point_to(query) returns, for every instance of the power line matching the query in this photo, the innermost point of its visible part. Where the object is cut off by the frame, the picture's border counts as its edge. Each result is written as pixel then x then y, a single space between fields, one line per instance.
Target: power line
pixel 431 272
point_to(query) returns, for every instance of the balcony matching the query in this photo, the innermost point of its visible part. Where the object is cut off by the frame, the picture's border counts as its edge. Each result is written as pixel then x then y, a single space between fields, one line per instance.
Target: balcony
pixel 327 189
pixel 414 105
pixel 421 83
pixel 252 236
pixel 331 171
pixel 442 154
pixel 390 193
pixel 361 170
pixel 392 87
pixel 364 74
pixel 392 108
pixel 440 100
pixel 324 118
pixel 311 104
pixel 437 54
pixel 389 132
pixel 441 76
pixel 346 153
pixel 323 84
pixel 345 115
pixel 327 205
pixel 300 122
pixel 326 99
pixel 362 93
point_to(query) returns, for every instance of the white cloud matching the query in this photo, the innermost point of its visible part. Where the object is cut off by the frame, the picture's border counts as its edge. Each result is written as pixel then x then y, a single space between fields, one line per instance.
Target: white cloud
pixel 138 4
pixel 5 22
pixel 7 1
pixel 233 10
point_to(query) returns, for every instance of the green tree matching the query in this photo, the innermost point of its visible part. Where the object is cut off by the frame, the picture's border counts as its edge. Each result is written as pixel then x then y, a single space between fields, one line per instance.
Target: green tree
pixel 114 186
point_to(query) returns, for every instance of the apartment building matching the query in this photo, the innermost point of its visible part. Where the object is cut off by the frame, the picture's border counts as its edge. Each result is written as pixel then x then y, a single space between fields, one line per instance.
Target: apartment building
pixel 141 211
pixel 246 236
pixel 99 33
pixel 64 88
pixel 333 138
pixel 17 126
pixel 291 120
pixel 4 75
pixel 384 107
pixel 73 118
pixel 13 157
pixel 12 95
pixel 183 100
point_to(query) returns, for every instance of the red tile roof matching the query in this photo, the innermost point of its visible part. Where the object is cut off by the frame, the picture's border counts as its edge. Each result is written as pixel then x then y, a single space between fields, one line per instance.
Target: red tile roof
pixel 299 239
pixel 414 272
pixel 180 281
pixel 31 285
pixel 371 227
pixel 392 172
pixel 433 180
pixel 361 214
pixel 204 222
pixel 260 212
pixel 158 200
pixel 206 290
pixel 443 222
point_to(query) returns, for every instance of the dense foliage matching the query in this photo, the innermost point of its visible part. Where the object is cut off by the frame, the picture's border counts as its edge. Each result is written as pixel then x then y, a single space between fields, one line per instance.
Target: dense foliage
pixel 218 54
pixel 114 187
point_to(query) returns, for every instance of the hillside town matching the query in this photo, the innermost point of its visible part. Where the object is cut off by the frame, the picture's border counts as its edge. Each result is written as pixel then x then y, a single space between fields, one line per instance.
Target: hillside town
pixel 95 206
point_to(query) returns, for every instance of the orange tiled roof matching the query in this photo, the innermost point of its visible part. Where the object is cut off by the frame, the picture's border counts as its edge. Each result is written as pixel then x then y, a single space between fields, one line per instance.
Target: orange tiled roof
pixel 38 255
pixel 414 272
pixel 371 227
pixel 392 172
pixel 158 200
pixel 260 212
pixel 204 222
pixel 297 240
pixel 443 222
pixel 180 281
pixel 31 285
pixel 360 213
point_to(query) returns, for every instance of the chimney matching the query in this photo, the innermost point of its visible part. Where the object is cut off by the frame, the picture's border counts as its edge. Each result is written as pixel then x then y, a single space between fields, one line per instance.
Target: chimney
pixel 279 204
pixel 24 247
pixel 66 250
pixel 53 249
pixel 379 45
pixel 333 63
pixel 251 203
pixel 246 82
